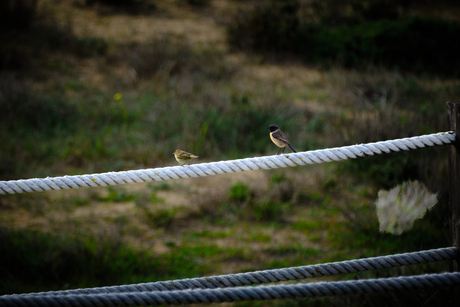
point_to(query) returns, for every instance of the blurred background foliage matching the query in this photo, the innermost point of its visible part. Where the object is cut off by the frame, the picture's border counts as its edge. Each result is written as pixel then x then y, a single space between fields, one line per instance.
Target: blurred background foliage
pixel 75 99
pixel 353 34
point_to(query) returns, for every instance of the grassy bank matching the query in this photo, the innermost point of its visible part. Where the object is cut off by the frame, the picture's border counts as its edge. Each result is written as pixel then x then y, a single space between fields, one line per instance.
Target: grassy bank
pixel 104 99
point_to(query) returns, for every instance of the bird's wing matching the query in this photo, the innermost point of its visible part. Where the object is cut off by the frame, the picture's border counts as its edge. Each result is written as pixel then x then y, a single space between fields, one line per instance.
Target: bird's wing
pixel 279 135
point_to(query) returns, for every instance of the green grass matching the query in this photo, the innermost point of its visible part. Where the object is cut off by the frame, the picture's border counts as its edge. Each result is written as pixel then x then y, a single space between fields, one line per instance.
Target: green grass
pixel 361 234
pixel 162 186
pixel 192 96
pixel 212 234
pixel 117 195
pixel 162 217
pixel 43 262
pixel 279 28
pixel 239 192
pixel 117 132
pixel 270 211
pixel 258 237
pixel 308 225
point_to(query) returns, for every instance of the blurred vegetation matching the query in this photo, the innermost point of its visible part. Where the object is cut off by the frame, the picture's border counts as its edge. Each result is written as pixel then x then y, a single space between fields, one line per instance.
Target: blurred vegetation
pixel 171 56
pixel 371 35
pixel 43 262
pixel 199 3
pixel 111 7
pixel 244 204
pixel 29 36
pixel 177 93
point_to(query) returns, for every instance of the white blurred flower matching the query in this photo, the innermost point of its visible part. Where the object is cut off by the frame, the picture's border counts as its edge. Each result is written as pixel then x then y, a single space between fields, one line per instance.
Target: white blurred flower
pixel 398 208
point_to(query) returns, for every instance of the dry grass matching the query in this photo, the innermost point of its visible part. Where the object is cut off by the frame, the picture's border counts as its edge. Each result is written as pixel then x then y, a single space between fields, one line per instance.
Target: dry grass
pixel 194 200
pixel 324 208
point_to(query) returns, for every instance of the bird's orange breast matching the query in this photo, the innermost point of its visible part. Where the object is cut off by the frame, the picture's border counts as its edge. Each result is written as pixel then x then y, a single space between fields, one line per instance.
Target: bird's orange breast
pixel 276 141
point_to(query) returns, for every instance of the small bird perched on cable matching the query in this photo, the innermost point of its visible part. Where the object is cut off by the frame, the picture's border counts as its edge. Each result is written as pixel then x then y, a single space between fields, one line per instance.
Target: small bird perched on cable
pixel 183 157
pixel 279 138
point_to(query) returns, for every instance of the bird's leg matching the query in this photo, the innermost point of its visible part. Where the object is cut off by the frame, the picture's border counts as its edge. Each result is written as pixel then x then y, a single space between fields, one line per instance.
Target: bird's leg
pixel 279 151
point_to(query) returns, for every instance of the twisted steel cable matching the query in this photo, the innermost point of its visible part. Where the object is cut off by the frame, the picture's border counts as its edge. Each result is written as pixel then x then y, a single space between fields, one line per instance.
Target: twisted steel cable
pixel 239 294
pixel 277 275
pixel 222 167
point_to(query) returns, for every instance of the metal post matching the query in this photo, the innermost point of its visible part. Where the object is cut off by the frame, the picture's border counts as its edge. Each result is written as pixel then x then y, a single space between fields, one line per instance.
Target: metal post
pixel 453 114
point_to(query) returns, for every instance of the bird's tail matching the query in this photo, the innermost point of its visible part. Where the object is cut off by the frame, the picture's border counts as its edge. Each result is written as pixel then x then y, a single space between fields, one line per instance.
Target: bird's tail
pixel 292 148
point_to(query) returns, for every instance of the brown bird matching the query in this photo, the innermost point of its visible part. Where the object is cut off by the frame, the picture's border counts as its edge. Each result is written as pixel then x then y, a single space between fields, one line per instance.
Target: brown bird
pixel 279 138
pixel 183 157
